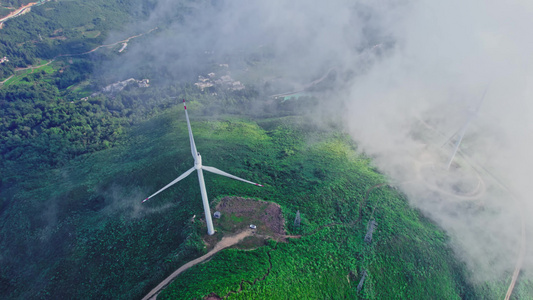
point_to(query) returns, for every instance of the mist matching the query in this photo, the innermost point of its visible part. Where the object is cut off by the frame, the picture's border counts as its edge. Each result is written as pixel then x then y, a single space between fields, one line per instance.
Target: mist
pixel 410 74
pixel 445 57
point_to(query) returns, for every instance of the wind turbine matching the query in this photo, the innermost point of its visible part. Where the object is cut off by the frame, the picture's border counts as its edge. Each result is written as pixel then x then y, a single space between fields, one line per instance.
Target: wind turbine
pixel 199 167
pixel 461 132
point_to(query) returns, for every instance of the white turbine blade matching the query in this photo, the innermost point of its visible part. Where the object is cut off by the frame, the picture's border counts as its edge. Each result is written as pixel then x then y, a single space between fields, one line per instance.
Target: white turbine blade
pixel 173 182
pixel 451 137
pixel 471 115
pixel 219 172
pixel 191 138
pixel 462 134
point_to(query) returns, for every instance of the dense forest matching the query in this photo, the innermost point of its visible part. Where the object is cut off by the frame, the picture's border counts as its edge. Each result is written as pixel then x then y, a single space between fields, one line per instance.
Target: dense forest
pixel 44 122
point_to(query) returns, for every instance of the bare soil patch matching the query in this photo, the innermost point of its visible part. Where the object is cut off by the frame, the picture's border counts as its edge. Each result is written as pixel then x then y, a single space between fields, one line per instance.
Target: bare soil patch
pixel 238 213
pixel 212 296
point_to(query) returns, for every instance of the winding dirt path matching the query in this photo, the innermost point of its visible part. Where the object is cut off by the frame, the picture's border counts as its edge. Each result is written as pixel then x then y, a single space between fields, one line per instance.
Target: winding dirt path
pixel 6 79
pixel 109 45
pixel 520 260
pixel 226 242
pixel 523 246
pixel 34 67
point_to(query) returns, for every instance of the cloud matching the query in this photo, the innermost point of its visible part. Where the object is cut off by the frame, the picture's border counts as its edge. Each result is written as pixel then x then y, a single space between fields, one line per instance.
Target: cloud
pixel 445 56
pixel 408 73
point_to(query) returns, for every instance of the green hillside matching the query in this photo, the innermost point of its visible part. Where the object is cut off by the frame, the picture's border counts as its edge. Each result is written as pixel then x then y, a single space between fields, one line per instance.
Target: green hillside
pixel 85 234
pixel 320 174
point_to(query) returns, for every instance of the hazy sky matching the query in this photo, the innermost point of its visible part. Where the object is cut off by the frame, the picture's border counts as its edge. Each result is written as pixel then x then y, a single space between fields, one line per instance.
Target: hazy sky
pixel 409 72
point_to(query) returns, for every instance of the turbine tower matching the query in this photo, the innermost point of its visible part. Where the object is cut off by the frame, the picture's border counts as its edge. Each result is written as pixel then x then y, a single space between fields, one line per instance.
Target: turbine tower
pixel 199 167
pixel 461 132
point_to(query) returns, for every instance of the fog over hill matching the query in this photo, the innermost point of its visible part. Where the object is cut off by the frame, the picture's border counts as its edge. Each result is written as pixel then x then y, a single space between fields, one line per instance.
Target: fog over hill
pixel 408 73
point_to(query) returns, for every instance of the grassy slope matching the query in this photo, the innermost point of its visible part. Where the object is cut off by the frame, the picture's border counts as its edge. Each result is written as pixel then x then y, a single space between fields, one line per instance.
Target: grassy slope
pixel 320 174
pixel 81 232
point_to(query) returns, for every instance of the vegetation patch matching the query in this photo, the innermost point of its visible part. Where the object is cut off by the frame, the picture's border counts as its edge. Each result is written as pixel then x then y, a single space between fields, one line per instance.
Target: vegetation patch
pixel 92 33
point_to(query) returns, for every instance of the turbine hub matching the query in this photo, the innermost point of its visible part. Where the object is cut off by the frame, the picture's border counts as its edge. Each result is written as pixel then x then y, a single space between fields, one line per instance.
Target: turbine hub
pixel 198 161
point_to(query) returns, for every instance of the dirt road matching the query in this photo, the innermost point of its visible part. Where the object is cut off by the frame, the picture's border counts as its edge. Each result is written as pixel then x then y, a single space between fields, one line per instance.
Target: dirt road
pixel 109 45
pixel 21 10
pixel 226 242
pixel 520 260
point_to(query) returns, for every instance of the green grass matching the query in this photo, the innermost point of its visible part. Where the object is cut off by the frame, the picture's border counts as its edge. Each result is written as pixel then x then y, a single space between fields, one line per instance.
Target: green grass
pixel 82 89
pixel 84 28
pixel 226 270
pixel 91 33
pixel 48 69
pixel 18 78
